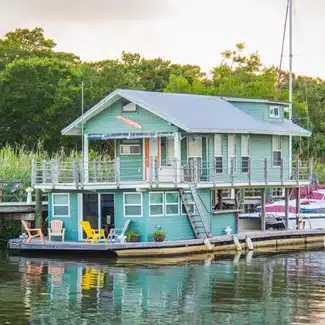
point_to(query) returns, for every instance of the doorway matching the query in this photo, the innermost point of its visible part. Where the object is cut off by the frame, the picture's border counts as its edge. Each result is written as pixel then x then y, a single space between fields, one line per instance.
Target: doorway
pixel 98 209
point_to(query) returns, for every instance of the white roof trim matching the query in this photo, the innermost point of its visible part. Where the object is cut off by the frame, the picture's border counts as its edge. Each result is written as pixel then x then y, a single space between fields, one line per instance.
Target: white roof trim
pixel 248 100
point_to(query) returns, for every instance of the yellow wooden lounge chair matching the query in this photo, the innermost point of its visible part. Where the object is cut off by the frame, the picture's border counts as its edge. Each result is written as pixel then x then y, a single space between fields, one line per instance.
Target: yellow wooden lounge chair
pixel 92 234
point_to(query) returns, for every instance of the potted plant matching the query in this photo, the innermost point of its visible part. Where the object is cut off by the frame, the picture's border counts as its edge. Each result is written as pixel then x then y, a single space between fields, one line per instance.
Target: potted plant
pixel 133 236
pixel 159 235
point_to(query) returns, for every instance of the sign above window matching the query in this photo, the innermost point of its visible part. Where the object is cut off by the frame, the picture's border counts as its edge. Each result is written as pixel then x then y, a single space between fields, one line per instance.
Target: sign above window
pixel 274 111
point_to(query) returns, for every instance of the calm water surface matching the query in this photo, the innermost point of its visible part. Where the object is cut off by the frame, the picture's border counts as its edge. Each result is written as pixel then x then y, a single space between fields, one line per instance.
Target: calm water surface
pixel 260 289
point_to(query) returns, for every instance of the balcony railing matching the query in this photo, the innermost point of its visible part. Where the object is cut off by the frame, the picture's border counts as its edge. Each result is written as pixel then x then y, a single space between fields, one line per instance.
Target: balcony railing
pixel 232 171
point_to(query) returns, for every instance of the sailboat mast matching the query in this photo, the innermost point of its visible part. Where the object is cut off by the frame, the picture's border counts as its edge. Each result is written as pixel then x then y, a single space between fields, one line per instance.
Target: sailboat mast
pixel 290 79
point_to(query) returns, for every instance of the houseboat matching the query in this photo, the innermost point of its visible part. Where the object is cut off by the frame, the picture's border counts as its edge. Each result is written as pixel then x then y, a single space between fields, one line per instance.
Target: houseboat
pixel 173 156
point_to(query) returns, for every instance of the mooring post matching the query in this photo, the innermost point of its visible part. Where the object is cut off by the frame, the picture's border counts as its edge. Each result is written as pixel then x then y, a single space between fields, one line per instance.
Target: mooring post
pixel 38 209
pixel 263 209
pixel 237 209
pixel 297 206
pixel 286 199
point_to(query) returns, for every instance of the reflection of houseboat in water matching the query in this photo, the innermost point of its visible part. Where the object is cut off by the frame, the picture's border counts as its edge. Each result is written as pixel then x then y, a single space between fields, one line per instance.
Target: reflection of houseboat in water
pixel 137 290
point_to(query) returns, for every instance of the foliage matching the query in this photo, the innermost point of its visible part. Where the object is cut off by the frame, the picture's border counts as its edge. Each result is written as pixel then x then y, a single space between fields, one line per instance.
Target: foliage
pixel 159 235
pixel 9 229
pixel 41 89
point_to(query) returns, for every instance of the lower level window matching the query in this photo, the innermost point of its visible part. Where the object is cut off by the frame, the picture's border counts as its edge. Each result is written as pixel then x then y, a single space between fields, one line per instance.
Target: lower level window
pixel 133 204
pixel 60 204
pixel 156 204
pixel 172 203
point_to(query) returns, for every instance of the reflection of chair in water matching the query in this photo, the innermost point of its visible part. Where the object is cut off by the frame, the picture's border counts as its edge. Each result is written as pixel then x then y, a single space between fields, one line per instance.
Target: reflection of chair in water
pixel 33 271
pixel 92 234
pixel 56 273
pixel 92 279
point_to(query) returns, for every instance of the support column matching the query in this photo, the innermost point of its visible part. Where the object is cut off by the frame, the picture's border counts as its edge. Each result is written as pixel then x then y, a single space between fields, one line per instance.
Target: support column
pixel 86 159
pixel 237 209
pixel 297 206
pixel 219 194
pixel 263 209
pixel 38 209
pixel 177 149
pixel 286 208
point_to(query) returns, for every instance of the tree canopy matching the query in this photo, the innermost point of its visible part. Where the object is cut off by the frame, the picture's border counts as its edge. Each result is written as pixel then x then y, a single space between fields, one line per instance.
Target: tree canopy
pixel 40 87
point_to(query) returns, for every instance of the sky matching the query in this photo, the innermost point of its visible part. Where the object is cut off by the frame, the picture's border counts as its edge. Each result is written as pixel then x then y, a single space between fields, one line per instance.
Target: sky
pixel 183 31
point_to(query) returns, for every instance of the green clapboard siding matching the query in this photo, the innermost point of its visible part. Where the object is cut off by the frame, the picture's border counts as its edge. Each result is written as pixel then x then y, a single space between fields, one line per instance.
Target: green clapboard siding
pixel 106 122
pixel 69 223
pixel 131 166
pixel 259 110
pixel 220 221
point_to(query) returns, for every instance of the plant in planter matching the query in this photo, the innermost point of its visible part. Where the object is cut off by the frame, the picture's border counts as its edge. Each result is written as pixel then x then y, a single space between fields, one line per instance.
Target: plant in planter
pixel 133 236
pixel 159 235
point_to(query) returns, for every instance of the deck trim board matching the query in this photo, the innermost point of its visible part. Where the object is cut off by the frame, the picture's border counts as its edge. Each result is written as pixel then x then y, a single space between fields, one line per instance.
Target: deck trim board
pixel 163 248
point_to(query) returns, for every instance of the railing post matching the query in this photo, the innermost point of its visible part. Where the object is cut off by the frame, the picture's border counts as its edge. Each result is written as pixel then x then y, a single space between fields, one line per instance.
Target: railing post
pixel 117 171
pixel 281 171
pixel 82 175
pixel 249 171
pixel 232 170
pixel 310 169
pixel 33 175
pixel 95 171
pixel 191 171
pixel 54 172
pixel 265 171
pixel 195 171
pixel 297 171
pixel 44 166
pixel 75 173
pixel 175 165
pixel 152 165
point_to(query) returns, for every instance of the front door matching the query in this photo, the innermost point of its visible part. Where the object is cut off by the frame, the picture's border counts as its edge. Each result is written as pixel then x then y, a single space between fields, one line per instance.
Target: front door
pixel 152 149
pixel 98 209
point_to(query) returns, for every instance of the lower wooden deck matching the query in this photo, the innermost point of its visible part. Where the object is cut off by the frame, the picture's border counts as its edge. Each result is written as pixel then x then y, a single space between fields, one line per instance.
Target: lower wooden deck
pixel 266 239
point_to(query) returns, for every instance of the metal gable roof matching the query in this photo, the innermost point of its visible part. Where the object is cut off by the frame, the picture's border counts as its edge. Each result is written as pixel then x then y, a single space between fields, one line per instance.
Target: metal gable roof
pixel 194 113
pixel 198 113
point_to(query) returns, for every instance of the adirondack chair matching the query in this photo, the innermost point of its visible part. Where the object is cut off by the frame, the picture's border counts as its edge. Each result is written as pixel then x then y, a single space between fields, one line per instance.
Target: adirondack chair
pixel 56 229
pixel 118 237
pixel 92 234
pixel 37 232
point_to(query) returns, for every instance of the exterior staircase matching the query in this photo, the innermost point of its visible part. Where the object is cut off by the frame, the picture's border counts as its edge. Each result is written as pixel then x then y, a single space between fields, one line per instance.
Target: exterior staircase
pixel 193 208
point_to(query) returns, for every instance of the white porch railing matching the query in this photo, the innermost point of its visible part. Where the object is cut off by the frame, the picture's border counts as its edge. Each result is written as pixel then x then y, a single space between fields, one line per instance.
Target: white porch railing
pixel 235 171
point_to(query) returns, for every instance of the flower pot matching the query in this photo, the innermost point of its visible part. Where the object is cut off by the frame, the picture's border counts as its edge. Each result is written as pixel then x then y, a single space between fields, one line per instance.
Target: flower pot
pixel 134 239
pixel 159 238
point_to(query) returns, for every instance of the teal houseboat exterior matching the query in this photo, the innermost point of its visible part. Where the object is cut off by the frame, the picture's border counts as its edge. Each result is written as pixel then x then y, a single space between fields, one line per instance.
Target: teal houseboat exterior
pixel 173 155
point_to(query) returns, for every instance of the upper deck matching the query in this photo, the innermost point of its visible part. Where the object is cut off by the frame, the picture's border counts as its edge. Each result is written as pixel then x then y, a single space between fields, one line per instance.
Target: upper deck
pixel 150 173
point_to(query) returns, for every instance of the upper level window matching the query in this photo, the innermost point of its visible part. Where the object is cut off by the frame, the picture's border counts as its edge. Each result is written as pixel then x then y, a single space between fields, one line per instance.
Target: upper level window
pixel 130 149
pixel 132 204
pixel 276 151
pixel 232 161
pixel 245 153
pixel 274 111
pixel 130 107
pixel 218 153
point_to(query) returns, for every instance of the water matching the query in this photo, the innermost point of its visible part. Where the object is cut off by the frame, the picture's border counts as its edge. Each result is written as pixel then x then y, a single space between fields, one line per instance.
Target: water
pixel 260 289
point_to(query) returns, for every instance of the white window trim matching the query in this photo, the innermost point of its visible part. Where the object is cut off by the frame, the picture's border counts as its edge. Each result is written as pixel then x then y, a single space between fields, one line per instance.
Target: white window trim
pixel 245 156
pixel 55 205
pixel 166 204
pixel 154 204
pixel 129 153
pixel 129 205
pixel 189 203
pixel 219 154
pixel 233 155
pixel 276 166
pixel 271 112
pixel 222 165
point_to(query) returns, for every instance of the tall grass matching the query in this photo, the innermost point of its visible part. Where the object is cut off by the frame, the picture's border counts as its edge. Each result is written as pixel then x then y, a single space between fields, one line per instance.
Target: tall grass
pixel 15 163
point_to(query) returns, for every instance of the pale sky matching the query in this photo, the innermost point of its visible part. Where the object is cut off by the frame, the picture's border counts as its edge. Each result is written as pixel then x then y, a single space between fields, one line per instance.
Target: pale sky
pixel 183 31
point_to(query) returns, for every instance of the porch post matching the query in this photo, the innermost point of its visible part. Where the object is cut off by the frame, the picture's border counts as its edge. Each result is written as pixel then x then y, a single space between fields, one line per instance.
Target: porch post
pixel 297 206
pixel 286 211
pixel 177 148
pixel 86 158
pixel 263 209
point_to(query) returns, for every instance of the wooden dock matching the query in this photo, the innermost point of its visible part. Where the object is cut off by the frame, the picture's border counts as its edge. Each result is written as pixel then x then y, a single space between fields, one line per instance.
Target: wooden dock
pixel 261 240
